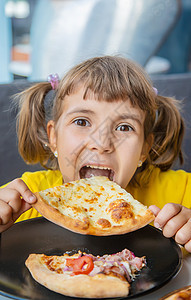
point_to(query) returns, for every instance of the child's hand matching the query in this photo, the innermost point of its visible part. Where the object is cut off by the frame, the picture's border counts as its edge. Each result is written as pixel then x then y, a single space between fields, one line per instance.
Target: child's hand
pixel 15 199
pixel 174 220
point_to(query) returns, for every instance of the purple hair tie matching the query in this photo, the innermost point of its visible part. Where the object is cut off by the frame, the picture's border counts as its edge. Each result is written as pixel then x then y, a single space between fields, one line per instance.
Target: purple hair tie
pixel 49 98
pixel 155 90
pixel 54 80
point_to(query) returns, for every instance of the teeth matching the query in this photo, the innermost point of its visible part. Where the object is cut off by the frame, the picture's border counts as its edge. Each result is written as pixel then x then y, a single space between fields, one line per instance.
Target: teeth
pixel 97 167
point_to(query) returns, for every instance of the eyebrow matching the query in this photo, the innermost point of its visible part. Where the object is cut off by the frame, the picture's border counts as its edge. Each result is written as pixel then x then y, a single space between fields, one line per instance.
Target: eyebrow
pixel 130 116
pixel 83 111
pixel 119 117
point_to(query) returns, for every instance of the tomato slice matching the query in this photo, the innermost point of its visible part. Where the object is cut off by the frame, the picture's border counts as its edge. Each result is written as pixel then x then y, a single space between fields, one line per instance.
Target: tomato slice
pixel 81 265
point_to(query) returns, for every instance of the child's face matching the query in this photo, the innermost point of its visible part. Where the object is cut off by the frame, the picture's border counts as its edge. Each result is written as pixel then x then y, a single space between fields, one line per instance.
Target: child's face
pixel 98 138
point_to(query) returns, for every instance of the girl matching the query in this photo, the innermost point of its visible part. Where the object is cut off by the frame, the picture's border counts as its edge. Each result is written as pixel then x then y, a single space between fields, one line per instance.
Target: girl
pixel 103 118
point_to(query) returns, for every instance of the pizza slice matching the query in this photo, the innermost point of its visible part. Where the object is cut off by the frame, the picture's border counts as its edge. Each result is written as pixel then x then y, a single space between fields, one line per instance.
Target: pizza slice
pixel 85 275
pixel 180 294
pixel 95 206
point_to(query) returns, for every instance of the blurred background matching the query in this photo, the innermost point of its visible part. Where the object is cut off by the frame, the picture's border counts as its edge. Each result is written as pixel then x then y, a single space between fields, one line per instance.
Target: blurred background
pixel 39 37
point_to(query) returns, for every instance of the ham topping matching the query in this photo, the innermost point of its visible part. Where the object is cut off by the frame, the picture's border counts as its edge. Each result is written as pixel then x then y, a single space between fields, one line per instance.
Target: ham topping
pixel 123 264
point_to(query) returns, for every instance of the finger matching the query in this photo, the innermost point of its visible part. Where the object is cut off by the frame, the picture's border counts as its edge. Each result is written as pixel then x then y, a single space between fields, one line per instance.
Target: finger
pixel 24 207
pixel 8 214
pixel 167 212
pixel 175 225
pixel 154 209
pixel 5 212
pixel 183 235
pixel 187 246
pixel 12 198
pixel 22 188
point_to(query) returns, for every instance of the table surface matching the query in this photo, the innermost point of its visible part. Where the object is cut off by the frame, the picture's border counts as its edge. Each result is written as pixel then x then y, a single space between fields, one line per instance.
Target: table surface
pixel 183 278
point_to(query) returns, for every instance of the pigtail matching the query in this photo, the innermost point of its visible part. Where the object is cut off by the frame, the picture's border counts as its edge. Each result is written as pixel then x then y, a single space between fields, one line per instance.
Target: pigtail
pixel 168 134
pixel 31 125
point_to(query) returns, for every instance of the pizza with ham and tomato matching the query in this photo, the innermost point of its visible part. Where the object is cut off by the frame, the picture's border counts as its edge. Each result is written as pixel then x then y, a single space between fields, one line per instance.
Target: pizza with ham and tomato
pixel 85 275
pixel 95 205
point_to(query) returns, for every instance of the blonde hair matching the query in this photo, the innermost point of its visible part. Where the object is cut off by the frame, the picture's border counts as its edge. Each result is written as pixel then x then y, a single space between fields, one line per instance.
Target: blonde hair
pixel 109 79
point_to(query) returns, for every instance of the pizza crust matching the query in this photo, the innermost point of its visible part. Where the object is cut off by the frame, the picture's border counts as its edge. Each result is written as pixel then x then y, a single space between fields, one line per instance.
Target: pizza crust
pixel 84 286
pixel 84 226
pixel 180 294
pixel 58 218
pixel 94 206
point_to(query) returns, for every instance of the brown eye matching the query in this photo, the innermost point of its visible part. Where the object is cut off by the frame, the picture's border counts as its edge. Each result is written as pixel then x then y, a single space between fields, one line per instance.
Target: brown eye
pixel 82 122
pixel 124 127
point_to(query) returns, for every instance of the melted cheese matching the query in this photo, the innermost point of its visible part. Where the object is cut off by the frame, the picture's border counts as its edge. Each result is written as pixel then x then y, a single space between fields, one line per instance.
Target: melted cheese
pixel 101 201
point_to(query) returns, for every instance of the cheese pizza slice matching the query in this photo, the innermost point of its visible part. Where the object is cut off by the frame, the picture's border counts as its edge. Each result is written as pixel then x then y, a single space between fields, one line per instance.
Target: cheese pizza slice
pixel 85 275
pixel 95 206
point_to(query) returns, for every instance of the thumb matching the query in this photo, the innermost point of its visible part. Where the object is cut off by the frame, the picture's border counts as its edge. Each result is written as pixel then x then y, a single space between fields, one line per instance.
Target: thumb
pixel 154 209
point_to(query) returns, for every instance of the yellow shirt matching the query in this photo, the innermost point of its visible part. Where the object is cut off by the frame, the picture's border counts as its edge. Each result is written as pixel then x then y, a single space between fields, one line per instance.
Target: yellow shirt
pixel 39 181
pixel 162 187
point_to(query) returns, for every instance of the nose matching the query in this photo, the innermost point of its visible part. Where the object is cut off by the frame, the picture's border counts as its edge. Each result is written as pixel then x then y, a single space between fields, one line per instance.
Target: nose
pixel 101 140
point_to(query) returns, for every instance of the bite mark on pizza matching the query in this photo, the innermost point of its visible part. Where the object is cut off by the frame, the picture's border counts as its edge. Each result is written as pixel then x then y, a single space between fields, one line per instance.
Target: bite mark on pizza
pixel 85 275
pixel 95 206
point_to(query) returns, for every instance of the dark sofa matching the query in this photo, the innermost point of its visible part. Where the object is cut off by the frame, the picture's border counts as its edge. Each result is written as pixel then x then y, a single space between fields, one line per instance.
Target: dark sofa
pixel 12 165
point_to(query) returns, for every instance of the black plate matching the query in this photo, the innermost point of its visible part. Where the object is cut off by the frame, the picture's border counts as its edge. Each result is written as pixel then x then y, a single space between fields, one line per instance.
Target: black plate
pixel 41 236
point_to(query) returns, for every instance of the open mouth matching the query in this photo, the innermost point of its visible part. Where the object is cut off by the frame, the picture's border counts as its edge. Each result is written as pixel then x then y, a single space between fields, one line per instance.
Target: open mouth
pixel 89 171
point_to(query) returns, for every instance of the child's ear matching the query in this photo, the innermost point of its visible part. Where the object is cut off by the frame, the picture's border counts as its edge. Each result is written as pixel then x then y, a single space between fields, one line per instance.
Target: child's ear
pixel 147 147
pixel 51 135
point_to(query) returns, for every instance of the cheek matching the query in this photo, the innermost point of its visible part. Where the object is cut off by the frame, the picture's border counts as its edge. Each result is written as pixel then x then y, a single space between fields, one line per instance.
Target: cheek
pixel 129 154
pixel 68 139
pixel 127 168
pixel 129 147
pixel 69 145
